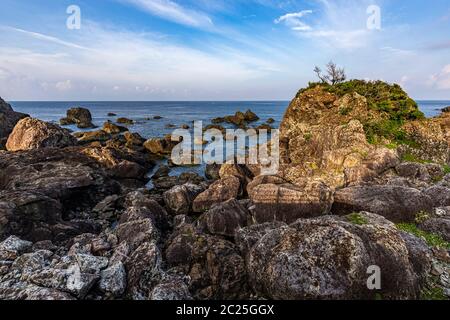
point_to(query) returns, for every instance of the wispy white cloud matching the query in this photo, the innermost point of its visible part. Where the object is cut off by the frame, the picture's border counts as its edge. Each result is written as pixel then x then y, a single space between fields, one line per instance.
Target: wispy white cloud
pixel 441 80
pixel 117 62
pixel 40 36
pixel 172 11
pixel 293 20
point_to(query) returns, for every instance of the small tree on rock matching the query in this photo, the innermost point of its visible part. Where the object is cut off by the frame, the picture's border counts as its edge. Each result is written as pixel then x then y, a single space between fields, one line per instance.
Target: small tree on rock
pixel 334 74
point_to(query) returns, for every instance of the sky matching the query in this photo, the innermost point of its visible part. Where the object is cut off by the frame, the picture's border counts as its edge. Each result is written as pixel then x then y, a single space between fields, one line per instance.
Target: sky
pixel 217 49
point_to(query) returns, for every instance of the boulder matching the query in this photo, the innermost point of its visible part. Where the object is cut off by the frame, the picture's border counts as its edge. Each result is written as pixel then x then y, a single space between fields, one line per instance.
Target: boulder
pixel 37 186
pixel 93 136
pixel 330 258
pixel 8 120
pixel 31 133
pixel 79 116
pixel 171 290
pixel 144 269
pixel 278 201
pixel 438 224
pixel 214 265
pixel 220 191
pixel 112 128
pixel 179 199
pixel 134 139
pixel 226 218
pixel 395 203
pixel 212 171
pixel 113 280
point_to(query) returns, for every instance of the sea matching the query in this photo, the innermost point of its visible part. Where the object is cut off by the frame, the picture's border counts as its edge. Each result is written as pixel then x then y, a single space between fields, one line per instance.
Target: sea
pixel 174 114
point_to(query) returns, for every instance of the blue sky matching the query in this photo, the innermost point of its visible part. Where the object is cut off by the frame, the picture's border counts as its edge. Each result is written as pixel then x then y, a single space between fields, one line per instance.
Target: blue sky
pixel 217 49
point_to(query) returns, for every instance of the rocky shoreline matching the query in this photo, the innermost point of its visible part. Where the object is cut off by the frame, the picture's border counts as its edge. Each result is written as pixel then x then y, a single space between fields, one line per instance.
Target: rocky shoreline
pixel 364 181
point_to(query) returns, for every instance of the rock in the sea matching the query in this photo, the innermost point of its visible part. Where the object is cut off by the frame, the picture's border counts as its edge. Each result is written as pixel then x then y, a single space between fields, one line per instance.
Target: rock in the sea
pixel 395 203
pixel 125 121
pixel 179 199
pixel 8 120
pixel 31 133
pixel 79 116
pixel 330 258
pixel 220 191
pixel 112 128
pixel 160 146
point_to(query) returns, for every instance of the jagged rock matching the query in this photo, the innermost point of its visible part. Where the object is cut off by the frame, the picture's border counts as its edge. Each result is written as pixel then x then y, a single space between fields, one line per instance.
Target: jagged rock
pixel 31 133
pixel 162 171
pixel 13 247
pixel 220 191
pixel 325 132
pixel 437 224
pixel 144 271
pixel 160 146
pixel 250 116
pixel 137 232
pixel 214 265
pixel 94 136
pixel 247 237
pixel 328 258
pixel 278 201
pixel 420 256
pixel 80 116
pixel 39 185
pixel 440 195
pixel 179 199
pixel 8 120
pixel 107 207
pixel 212 171
pixel 398 204
pixel 112 128
pixel 134 139
pixel 171 290
pixel 226 218
pixel 113 280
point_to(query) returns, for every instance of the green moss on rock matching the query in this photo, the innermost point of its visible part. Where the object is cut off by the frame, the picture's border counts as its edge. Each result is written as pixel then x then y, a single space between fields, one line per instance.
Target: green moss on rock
pixel 390 100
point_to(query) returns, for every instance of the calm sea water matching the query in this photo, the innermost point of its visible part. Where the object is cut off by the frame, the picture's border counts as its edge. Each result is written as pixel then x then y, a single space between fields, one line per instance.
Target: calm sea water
pixel 173 113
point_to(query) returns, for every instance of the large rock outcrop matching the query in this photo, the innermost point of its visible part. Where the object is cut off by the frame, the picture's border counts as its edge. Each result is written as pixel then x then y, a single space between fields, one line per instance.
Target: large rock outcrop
pixel 32 133
pixel 329 258
pixel 328 132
